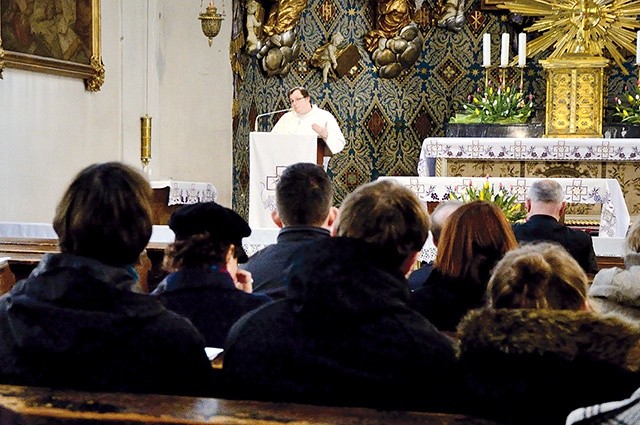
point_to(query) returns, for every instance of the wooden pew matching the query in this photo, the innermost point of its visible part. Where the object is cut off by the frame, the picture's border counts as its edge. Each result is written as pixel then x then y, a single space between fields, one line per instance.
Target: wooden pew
pixel 7 278
pixel 37 406
pixel 26 253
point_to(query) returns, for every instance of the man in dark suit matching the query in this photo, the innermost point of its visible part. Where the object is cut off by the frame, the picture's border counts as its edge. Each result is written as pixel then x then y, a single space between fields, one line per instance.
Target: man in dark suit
pixel 545 205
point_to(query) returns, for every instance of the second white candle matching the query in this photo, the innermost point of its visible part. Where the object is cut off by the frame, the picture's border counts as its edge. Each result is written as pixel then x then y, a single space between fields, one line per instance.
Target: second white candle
pixel 522 50
pixel 486 50
pixel 504 50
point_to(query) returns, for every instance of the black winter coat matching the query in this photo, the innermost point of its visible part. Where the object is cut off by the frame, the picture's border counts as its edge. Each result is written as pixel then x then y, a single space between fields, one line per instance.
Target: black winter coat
pixel 344 335
pixel 74 323
pixel 209 299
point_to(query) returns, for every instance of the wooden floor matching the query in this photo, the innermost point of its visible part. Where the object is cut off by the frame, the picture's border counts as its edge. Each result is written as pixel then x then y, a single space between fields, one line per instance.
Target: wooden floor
pixel 38 406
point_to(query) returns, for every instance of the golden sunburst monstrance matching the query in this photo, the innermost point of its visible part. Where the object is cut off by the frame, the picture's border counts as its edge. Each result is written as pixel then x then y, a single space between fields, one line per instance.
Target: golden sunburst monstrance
pixel 581 26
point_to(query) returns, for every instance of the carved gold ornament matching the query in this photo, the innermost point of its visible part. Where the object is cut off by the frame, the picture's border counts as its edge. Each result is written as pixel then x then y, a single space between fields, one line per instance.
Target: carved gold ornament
pixel 581 26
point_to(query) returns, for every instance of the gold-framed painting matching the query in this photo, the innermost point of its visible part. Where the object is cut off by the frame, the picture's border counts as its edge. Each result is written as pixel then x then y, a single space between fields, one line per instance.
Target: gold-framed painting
pixel 60 37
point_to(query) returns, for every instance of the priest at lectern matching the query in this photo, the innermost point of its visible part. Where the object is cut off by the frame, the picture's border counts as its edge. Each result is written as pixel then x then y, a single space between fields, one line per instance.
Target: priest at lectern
pixel 305 118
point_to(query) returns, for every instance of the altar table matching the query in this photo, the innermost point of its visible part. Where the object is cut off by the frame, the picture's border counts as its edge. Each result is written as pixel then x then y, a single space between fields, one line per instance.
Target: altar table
pixel 609 250
pixel 614 220
pixel 536 157
pixel 523 149
pixel 169 195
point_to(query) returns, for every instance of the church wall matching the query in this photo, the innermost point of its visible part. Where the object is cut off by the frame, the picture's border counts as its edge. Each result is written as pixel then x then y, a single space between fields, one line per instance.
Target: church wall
pixel 157 61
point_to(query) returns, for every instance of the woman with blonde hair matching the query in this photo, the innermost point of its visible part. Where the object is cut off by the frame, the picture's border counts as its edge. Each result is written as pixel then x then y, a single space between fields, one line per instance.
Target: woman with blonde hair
pixel 536 352
pixel 473 239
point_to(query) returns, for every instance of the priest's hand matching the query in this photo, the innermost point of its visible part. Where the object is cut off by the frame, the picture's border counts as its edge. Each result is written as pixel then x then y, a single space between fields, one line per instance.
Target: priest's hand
pixel 322 131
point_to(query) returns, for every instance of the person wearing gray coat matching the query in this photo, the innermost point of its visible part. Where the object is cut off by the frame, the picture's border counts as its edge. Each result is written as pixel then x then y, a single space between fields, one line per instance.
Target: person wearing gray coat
pixel 617 291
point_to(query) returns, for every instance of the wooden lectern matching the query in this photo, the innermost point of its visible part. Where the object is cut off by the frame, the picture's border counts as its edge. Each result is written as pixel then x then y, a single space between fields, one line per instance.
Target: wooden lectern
pixel 322 151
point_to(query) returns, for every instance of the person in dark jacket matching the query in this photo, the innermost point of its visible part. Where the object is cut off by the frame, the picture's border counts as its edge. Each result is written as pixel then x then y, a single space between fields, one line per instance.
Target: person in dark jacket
pixel 474 238
pixel 304 213
pixel 545 205
pixel 75 323
pixel 537 352
pixel 205 284
pixel 345 335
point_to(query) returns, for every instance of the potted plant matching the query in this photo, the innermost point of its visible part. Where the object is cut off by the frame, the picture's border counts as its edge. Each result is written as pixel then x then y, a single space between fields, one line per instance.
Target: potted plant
pixel 504 199
pixel 627 111
pixel 502 105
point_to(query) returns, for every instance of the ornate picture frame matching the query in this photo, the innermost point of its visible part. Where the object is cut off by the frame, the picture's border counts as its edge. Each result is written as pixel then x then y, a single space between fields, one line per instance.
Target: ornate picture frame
pixel 60 37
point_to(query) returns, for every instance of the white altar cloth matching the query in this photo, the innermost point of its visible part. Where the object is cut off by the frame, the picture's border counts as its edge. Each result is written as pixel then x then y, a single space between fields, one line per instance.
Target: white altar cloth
pixel 523 149
pixel 183 192
pixel 614 219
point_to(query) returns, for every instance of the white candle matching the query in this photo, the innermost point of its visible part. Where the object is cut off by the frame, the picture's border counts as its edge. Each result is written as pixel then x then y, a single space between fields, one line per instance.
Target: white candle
pixel 522 50
pixel 638 48
pixel 504 50
pixel 486 50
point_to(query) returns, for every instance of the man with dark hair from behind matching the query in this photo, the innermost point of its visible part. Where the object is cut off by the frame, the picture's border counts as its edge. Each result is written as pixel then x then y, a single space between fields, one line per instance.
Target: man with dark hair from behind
pixel 75 323
pixel 438 219
pixel 304 214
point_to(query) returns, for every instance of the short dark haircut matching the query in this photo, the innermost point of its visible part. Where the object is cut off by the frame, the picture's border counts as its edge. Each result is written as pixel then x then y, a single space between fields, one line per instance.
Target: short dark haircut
pixel 304 195
pixel 105 214
pixel 304 92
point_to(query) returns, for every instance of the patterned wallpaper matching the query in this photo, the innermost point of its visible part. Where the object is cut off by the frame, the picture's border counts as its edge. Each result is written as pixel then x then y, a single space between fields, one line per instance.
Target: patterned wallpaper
pixel 384 120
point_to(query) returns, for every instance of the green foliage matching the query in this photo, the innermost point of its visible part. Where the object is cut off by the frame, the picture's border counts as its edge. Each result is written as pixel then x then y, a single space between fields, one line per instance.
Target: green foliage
pixel 502 105
pixel 628 107
pixel 507 202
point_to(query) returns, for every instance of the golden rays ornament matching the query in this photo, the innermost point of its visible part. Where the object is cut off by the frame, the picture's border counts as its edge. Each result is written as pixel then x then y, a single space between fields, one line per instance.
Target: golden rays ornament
pixel 589 27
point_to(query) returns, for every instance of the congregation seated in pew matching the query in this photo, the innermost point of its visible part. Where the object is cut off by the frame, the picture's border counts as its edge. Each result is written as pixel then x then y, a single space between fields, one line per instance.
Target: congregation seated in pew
pixel 332 300
pixel 345 334
pixel 75 321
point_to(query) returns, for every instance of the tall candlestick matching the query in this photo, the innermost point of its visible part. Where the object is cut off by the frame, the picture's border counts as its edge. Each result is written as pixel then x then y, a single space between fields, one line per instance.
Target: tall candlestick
pixel 504 50
pixel 486 50
pixel 522 50
pixel 638 48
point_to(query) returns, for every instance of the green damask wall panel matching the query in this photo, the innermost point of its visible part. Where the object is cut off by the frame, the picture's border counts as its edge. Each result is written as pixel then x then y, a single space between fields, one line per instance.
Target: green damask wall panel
pixel 384 121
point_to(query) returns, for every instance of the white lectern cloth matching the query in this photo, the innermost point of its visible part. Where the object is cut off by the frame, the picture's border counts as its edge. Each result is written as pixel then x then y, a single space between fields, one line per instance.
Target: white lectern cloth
pixel 269 155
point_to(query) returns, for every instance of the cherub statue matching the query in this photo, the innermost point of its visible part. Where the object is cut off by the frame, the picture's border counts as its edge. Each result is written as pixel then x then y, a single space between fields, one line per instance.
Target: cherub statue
pixel 325 57
pixel 253 25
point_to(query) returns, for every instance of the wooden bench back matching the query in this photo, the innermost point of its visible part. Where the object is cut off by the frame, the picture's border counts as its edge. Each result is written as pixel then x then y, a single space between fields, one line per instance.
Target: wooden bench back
pixel 26 253
pixel 36 406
